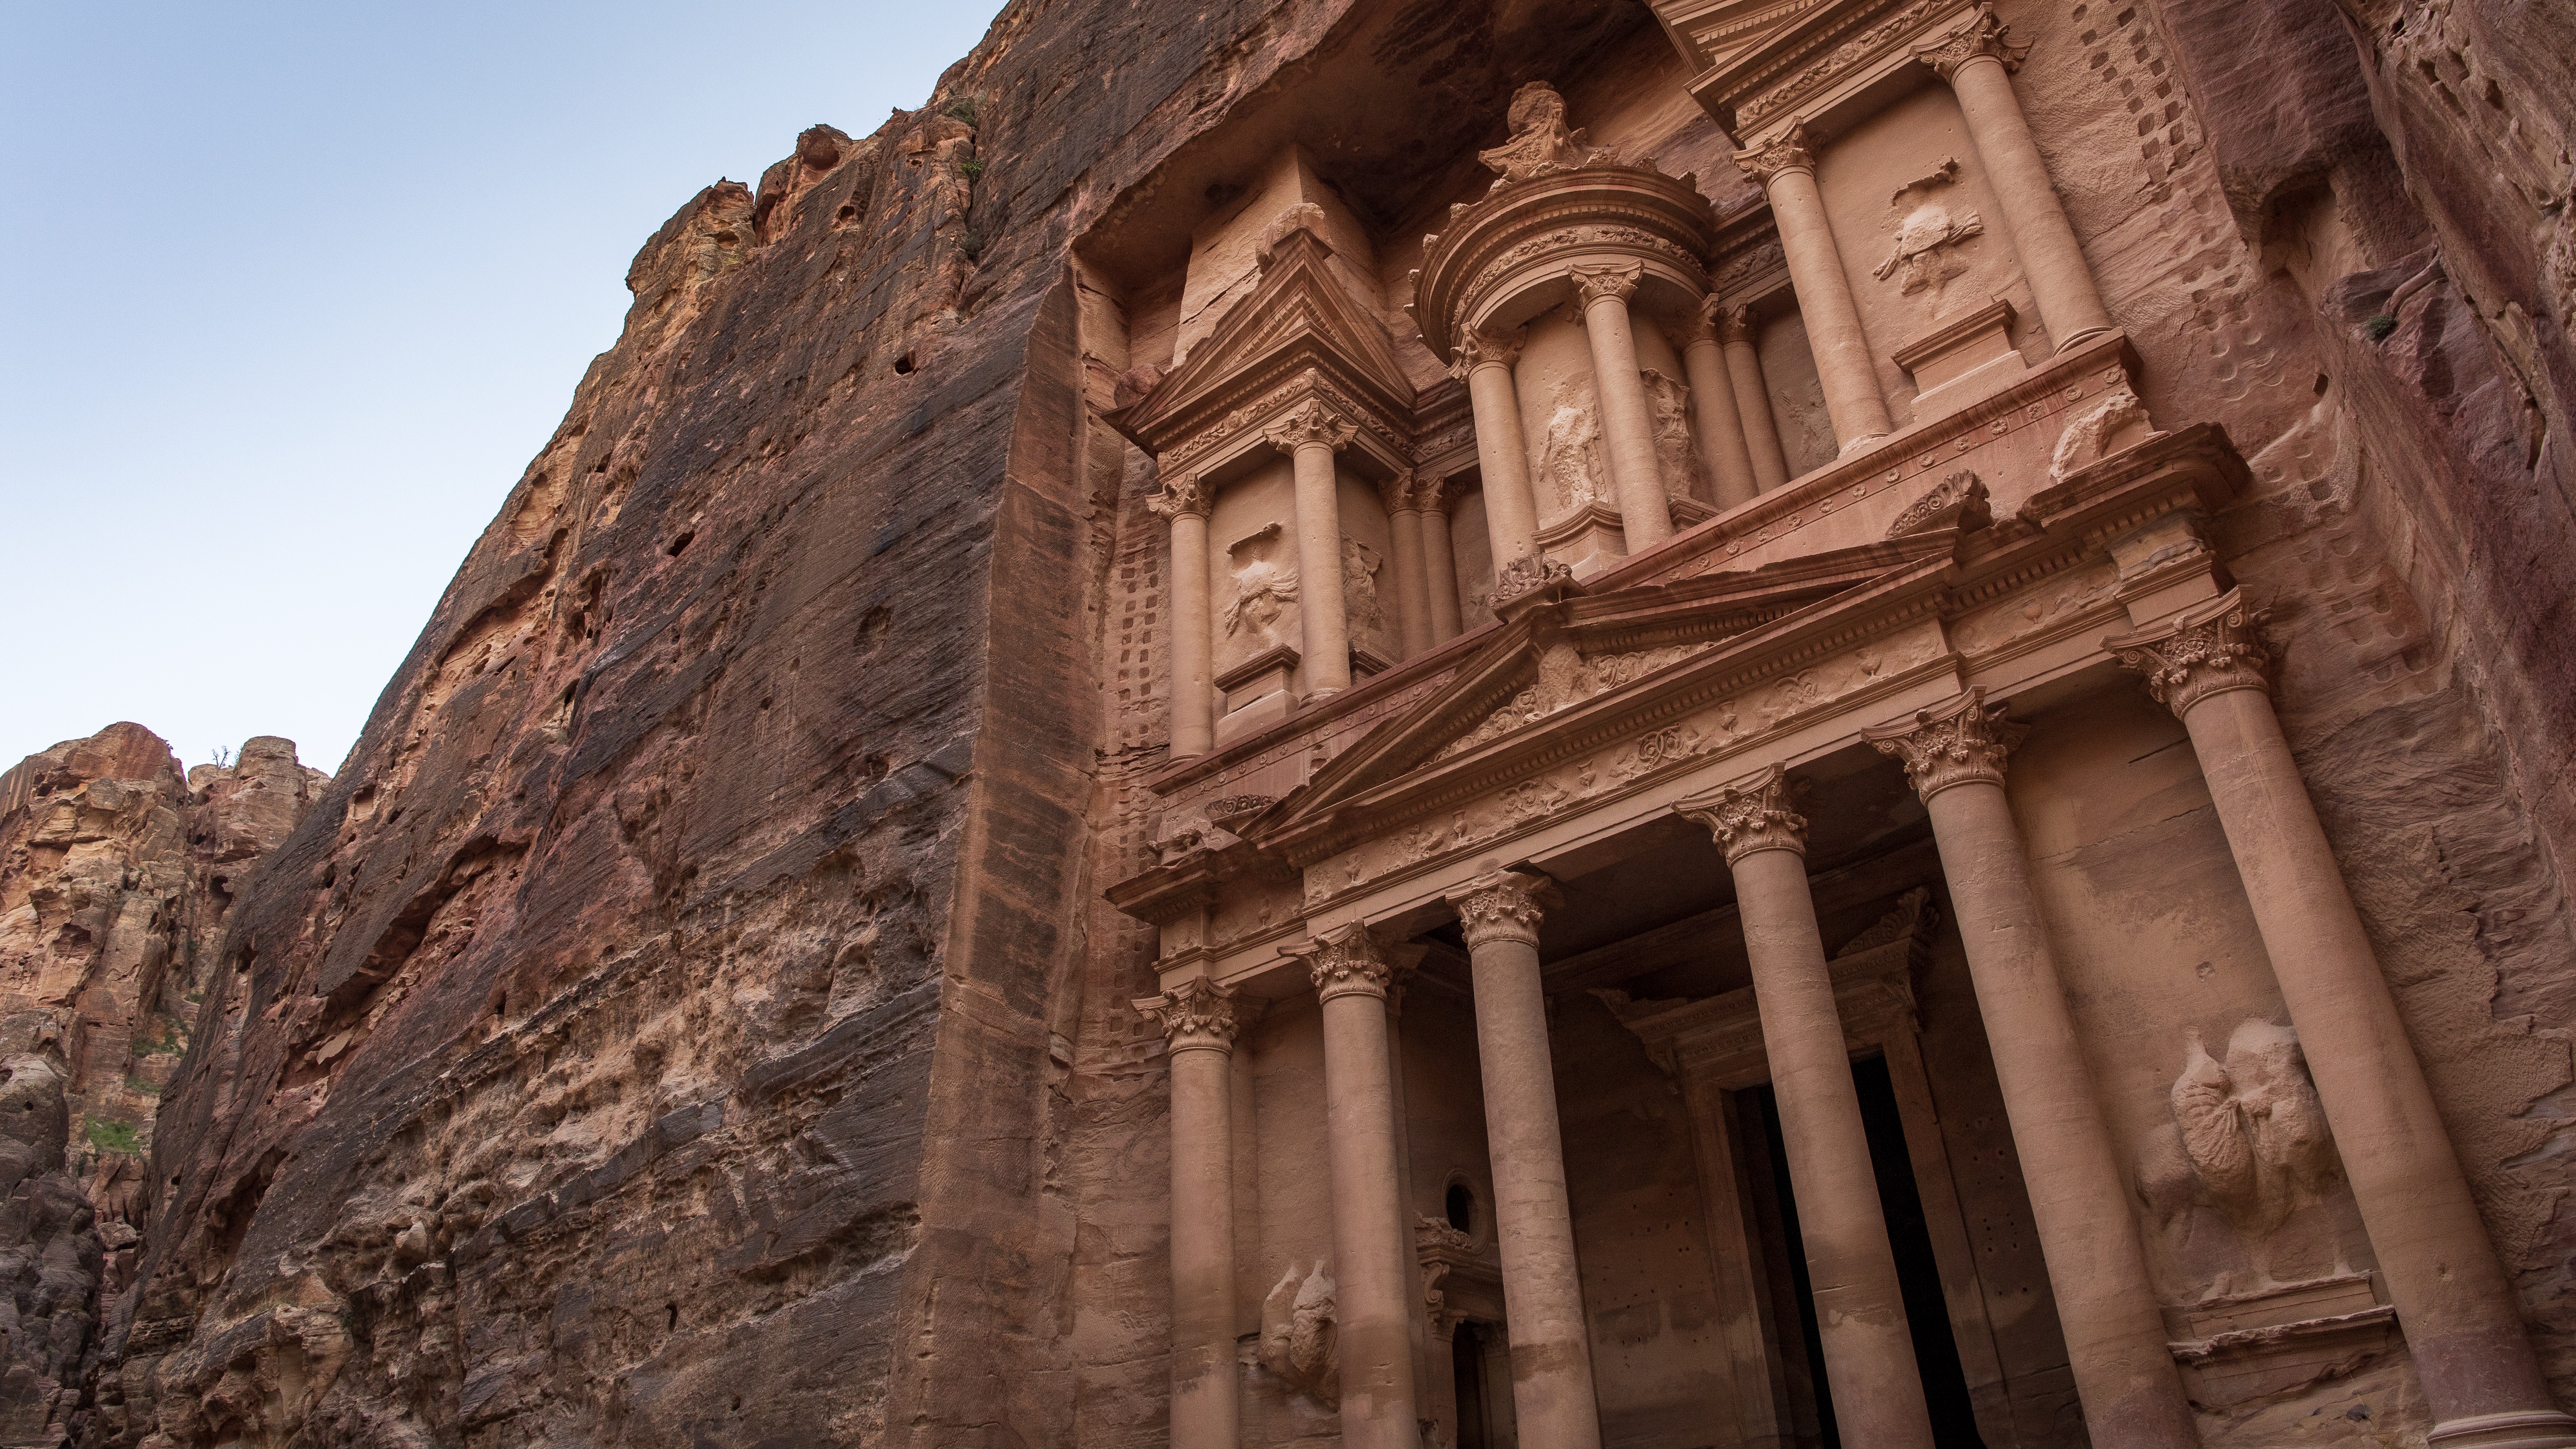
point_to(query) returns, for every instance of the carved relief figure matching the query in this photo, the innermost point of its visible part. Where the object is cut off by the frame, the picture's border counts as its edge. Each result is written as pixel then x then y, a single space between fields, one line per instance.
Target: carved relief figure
pixel 1676 456
pixel 1540 143
pixel 1298 1333
pixel 2094 436
pixel 1569 469
pixel 1926 232
pixel 1264 586
pixel 2248 1138
pixel 1360 605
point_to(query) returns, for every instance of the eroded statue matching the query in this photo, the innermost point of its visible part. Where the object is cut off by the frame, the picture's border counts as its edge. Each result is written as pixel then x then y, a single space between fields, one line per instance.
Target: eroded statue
pixel 1676 456
pixel 2248 1138
pixel 1540 144
pixel 1569 471
pixel 1360 603
pixel 1264 586
pixel 1926 232
pixel 1298 1332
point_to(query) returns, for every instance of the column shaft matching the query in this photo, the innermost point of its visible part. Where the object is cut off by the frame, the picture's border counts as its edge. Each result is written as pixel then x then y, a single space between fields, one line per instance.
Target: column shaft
pixel 2097 1270
pixel 1200 1019
pixel 1192 631
pixel 2462 1320
pixel 1627 420
pixel 1412 585
pixel 1552 1389
pixel 1311 435
pixel 1502 454
pixel 1843 361
pixel 1440 567
pixel 1753 401
pixel 2061 282
pixel 1720 425
pixel 1860 1309
pixel 1373 1258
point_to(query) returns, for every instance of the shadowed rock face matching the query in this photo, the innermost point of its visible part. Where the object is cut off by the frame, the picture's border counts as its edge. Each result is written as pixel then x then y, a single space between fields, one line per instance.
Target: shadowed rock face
pixel 688 1019
pixel 50 1253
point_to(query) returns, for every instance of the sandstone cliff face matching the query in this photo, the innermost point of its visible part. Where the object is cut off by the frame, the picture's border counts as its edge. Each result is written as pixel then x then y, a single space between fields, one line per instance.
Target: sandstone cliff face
pixel 689 1017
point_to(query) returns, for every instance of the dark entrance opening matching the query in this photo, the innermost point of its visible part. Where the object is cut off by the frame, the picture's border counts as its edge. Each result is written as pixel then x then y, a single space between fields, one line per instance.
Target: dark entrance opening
pixel 1918 1276
pixel 1467 1369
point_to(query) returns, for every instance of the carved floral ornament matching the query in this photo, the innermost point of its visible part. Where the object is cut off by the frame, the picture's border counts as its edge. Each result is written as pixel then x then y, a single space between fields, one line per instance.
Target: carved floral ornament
pixel 1503 905
pixel 1958 743
pixel 1487 349
pixel 2207 650
pixel 1348 961
pixel 1983 36
pixel 1595 281
pixel 1311 423
pixel 1181 497
pixel 1751 815
pixel 1779 156
pixel 1199 1014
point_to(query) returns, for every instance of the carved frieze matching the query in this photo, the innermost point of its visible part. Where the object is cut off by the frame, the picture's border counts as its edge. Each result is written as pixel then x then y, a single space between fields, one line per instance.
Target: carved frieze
pixel 2206 650
pixel 1781 93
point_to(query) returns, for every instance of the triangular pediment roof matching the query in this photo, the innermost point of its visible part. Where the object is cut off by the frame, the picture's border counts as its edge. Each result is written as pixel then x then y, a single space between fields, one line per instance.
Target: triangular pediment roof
pixel 1600 657
pixel 1299 318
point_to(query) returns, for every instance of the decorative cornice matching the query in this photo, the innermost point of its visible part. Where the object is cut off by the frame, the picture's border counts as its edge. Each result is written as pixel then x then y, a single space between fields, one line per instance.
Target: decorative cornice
pixel 1503 905
pixel 1983 36
pixel 1199 1015
pixel 1752 814
pixel 1951 744
pixel 1311 424
pixel 1347 961
pixel 1779 157
pixel 1773 78
pixel 1594 281
pixel 2205 650
pixel 1180 497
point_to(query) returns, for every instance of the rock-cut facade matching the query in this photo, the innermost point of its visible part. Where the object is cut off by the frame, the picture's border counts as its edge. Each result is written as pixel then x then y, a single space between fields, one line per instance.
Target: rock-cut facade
pixel 1597 726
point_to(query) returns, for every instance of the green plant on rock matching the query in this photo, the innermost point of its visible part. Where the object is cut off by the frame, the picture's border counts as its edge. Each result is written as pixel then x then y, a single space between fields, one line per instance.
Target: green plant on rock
pixel 142 1086
pixel 108 1135
pixel 973 168
pixel 960 109
pixel 2378 328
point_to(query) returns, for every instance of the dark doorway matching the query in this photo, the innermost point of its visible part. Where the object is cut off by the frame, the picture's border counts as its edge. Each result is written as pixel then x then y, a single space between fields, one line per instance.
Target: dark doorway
pixel 1936 1352
pixel 1467 1366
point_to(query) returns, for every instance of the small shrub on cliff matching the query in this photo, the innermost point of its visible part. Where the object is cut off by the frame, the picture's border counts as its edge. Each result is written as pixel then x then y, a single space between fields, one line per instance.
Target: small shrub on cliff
pixel 118 1137
pixel 2378 328
pixel 961 109
pixel 973 168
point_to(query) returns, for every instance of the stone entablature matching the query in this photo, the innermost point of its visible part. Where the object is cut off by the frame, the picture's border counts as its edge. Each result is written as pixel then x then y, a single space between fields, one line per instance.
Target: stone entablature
pixel 1769 61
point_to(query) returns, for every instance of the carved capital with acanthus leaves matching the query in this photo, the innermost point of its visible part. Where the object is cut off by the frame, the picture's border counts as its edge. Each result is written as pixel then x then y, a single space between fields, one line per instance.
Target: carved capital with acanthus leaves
pixel 1181 497
pixel 1348 961
pixel 1410 492
pixel 1503 905
pixel 1734 324
pixel 1751 815
pixel 2206 650
pixel 1958 743
pixel 1311 423
pixel 1778 157
pixel 1596 281
pixel 1199 1015
pixel 1483 349
pixel 1983 37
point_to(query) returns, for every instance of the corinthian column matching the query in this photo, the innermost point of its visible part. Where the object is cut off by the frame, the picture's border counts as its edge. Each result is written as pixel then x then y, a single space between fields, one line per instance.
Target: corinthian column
pixel 1199 1020
pixel 1787 171
pixel 1184 501
pixel 1502 455
pixel 1552 1397
pixel 1310 436
pixel 1720 427
pixel 1627 420
pixel 1752 399
pixel 2115 1335
pixel 1372 1246
pixel 1978 64
pixel 1439 565
pixel 1403 495
pixel 2462 1322
pixel 1860 1310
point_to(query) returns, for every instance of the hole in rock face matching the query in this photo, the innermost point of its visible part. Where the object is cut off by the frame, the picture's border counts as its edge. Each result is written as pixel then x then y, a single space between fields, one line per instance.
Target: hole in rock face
pixel 873 625
pixel 903 364
pixel 681 543
pixel 2323 382
pixel 673 1309
pixel 1461 1205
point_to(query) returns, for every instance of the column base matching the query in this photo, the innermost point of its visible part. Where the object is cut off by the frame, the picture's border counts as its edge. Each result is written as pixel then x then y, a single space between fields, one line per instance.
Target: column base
pixel 2522 1429
pixel 2080 338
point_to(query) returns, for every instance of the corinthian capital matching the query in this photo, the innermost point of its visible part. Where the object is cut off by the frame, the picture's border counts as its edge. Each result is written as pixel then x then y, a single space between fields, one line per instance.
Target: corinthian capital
pixel 1199 1014
pixel 1180 497
pixel 2210 649
pixel 1348 961
pixel 1983 36
pixel 1734 324
pixel 1410 492
pixel 1596 280
pixel 1951 744
pixel 1697 326
pixel 1778 157
pixel 1476 349
pixel 1752 815
pixel 1503 905
pixel 1311 422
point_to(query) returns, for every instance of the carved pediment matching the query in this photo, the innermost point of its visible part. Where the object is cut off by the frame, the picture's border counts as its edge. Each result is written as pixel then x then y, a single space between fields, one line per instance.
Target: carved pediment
pixel 1300 324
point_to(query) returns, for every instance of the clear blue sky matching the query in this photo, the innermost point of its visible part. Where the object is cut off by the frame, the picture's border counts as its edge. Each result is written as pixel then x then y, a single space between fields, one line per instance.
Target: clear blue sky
pixel 294 292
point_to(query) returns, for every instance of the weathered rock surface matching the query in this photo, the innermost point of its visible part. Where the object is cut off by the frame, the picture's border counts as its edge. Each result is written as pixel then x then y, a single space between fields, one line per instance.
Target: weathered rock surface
pixel 50 1248
pixel 689 1017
